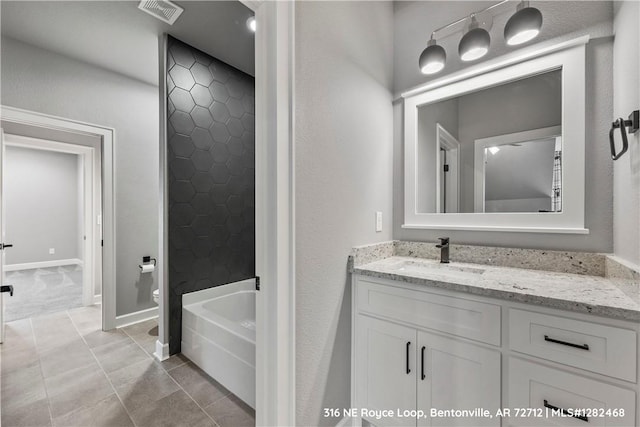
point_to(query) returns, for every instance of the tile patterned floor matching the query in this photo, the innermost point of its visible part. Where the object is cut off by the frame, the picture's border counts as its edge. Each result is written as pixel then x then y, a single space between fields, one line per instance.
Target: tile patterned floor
pixel 42 291
pixel 62 370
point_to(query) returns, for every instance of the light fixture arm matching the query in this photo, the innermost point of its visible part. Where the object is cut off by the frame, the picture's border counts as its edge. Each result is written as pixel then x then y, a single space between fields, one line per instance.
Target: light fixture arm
pixel 463 19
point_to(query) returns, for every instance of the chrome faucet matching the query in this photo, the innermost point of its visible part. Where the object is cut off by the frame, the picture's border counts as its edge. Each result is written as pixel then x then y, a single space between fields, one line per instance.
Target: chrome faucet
pixel 444 249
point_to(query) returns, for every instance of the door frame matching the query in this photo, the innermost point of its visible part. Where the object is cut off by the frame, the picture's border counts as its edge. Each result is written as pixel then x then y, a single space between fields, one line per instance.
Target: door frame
pixel 275 214
pixel 106 135
pixel 448 143
pixel 90 176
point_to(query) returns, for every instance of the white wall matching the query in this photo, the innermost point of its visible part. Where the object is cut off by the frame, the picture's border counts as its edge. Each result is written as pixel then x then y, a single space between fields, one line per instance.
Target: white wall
pixel 626 96
pixel 343 174
pixel 42 199
pixel 42 81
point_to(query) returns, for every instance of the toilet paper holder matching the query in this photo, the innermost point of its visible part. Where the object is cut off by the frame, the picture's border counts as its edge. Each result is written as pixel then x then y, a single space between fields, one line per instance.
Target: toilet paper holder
pixel 147 261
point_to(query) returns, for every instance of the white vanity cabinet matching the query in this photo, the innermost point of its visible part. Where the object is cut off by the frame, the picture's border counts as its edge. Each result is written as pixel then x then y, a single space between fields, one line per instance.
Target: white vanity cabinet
pixel 588 360
pixel 405 364
pixel 552 393
pixel 417 348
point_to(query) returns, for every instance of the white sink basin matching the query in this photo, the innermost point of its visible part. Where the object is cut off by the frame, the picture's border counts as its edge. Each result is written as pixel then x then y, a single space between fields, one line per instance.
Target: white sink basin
pixel 435 267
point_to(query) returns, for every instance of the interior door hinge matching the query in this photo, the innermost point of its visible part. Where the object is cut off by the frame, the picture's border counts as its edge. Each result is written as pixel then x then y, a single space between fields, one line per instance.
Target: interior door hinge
pixel 446 168
pixel 257 283
pixel 102 243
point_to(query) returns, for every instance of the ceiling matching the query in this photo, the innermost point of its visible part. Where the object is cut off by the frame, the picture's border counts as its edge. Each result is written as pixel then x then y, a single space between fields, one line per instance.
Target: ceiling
pixel 116 35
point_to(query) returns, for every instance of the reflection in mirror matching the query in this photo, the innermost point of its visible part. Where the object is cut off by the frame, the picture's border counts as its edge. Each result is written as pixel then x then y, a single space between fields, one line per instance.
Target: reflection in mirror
pixel 497 149
pixel 520 172
pixel 449 168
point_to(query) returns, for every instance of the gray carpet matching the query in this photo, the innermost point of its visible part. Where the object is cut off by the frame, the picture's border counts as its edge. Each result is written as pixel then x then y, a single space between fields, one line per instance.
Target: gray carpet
pixel 42 291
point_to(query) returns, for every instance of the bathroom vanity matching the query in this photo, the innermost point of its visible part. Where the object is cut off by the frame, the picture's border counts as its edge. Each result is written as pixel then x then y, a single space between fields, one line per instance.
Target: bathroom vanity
pixel 484 337
pixel 510 337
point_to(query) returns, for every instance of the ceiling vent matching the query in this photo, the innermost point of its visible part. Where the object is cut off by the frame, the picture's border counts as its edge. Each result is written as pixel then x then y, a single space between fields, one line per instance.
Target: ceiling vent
pixel 164 10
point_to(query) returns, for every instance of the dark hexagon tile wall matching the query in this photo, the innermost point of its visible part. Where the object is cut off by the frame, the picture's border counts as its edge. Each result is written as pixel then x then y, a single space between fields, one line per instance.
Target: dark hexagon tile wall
pixel 211 152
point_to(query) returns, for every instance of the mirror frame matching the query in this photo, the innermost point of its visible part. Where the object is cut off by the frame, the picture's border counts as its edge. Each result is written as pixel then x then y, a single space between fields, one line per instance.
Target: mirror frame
pixel 568 56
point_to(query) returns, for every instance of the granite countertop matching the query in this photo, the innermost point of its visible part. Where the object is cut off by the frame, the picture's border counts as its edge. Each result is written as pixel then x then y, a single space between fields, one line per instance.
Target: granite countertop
pixel 615 297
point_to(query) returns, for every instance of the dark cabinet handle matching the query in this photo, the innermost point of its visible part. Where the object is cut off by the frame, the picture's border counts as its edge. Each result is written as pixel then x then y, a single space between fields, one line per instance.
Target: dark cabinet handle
pixel 4 246
pixel 565 412
pixel 7 288
pixel 422 363
pixel 408 345
pixel 580 346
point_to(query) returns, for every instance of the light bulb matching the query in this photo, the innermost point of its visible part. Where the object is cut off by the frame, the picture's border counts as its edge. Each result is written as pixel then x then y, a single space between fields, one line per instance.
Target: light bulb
pixel 432 58
pixel 251 24
pixel 474 44
pixel 523 26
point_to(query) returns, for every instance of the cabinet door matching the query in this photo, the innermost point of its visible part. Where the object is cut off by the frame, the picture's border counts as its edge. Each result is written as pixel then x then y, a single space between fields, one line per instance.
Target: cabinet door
pixel 457 376
pixel 385 371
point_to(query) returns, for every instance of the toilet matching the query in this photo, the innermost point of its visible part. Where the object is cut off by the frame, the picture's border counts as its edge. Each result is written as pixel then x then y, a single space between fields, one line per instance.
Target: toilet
pixel 156 295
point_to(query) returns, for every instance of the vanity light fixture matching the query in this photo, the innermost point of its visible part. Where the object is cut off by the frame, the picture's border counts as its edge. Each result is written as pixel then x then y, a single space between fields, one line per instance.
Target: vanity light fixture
pixel 522 27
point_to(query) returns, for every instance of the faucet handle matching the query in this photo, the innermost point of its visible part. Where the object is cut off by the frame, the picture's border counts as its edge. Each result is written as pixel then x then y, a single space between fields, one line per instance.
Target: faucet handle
pixel 444 241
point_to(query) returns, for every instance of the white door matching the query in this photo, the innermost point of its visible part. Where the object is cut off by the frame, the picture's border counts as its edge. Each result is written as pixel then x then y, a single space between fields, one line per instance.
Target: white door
pixel 386 371
pixel 452 180
pixel 453 374
pixel 444 169
pixel 1 238
pixel 3 287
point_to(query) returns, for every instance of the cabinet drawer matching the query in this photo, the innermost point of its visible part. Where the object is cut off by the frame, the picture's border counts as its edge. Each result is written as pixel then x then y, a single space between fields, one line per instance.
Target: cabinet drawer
pixel 461 317
pixel 549 391
pixel 598 348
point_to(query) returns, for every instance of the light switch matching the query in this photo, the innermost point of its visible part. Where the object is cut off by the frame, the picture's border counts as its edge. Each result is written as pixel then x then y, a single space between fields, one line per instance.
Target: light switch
pixel 52 251
pixel 378 221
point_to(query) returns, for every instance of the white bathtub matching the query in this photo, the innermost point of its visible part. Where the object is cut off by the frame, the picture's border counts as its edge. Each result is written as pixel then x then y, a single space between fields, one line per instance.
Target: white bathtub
pixel 219 335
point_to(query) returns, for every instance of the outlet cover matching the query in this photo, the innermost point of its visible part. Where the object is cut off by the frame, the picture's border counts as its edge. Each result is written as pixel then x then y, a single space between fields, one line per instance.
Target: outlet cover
pixel 378 221
pixel 52 251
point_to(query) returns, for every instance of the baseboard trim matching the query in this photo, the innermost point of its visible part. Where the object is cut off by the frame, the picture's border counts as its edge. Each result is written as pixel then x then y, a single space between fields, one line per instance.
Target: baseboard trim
pixel 42 264
pixel 162 351
pixel 137 317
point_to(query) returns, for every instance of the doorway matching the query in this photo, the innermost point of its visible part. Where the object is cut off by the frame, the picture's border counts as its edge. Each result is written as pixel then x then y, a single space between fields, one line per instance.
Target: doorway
pixel 92 147
pixel 448 166
pixel 51 215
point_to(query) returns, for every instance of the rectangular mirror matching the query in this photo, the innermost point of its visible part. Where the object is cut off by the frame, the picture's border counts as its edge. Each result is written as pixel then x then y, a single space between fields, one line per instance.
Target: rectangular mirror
pixel 502 149
pixel 492 150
